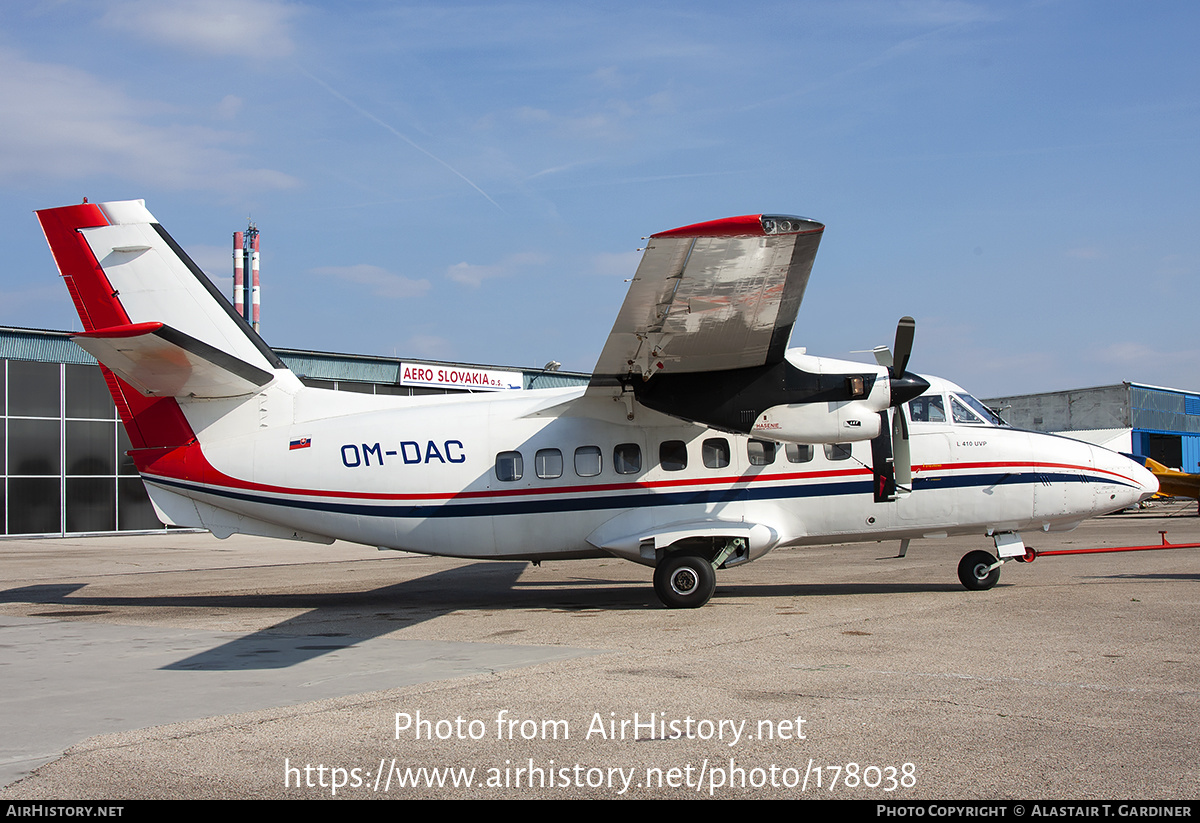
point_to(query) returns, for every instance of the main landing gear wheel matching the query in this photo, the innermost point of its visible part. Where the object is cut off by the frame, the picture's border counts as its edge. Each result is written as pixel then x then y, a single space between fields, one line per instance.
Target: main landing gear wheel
pixel 684 581
pixel 976 572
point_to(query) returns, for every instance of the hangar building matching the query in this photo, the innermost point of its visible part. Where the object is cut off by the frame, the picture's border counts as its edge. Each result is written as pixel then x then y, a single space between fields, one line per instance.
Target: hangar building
pixel 62 455
pixel 1149 421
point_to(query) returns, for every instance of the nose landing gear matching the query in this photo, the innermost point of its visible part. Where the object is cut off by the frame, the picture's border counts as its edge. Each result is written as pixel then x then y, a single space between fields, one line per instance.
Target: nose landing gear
pixel 979 570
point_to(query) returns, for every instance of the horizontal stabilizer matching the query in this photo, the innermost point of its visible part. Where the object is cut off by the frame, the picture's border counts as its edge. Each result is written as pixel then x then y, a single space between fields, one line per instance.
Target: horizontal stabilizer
pixel 160 361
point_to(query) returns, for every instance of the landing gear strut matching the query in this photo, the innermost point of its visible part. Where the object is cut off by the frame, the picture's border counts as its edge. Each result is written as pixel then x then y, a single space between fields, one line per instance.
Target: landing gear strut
pixel 979 571
pixel 684 580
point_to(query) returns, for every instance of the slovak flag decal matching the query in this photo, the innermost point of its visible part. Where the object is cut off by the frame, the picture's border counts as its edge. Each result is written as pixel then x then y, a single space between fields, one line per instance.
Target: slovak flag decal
pixel 300 443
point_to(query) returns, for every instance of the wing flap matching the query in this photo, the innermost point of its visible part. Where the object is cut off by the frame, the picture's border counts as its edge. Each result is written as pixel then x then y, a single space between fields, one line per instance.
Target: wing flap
pixel 160 361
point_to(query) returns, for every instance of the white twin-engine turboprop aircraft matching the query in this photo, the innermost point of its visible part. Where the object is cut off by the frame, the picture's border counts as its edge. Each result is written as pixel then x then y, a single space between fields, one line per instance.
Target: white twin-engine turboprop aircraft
pixel 700 443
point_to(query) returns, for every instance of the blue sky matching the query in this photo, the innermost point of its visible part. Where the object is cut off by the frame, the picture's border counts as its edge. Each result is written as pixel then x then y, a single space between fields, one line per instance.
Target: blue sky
pixel 472 181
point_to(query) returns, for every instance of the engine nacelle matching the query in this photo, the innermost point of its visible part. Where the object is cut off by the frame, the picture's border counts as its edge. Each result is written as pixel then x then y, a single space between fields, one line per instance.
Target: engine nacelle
pixel 841 421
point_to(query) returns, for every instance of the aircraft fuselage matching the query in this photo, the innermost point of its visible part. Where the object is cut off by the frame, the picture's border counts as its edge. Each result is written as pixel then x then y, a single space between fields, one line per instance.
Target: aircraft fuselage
pixel 557 474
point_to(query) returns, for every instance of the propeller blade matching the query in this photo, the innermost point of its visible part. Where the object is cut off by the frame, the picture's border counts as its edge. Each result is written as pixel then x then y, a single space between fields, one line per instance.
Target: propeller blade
pixel 883 461
pixel 904 386
pixel 901 453
pixel 905 330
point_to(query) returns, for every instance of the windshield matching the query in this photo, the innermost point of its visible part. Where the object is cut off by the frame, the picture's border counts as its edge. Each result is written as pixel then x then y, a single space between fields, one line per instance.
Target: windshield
pixel 987 415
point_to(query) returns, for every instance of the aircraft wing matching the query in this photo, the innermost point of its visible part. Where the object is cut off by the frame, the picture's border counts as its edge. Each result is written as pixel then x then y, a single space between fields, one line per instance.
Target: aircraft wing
pixel 711 297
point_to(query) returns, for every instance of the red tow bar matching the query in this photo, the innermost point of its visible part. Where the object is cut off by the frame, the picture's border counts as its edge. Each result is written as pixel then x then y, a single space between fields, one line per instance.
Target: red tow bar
pixel 1031 555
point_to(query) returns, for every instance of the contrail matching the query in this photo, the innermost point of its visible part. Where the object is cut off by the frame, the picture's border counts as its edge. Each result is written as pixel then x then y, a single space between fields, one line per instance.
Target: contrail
pixel 403 137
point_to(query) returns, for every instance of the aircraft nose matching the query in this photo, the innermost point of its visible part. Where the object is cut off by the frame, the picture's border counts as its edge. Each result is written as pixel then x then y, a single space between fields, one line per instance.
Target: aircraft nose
pixel 1146 479
pixel 1142 483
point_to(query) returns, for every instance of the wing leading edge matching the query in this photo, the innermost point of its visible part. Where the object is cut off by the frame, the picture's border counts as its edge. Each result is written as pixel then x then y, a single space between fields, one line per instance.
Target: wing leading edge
pixel 712 297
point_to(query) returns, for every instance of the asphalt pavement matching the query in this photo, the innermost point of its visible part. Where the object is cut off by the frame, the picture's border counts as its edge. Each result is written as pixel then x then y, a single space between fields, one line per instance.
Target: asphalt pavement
pixel 181 666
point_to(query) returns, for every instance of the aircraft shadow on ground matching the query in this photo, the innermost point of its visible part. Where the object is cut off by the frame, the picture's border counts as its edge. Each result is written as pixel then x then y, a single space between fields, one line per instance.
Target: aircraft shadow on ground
pixel 365 614
pixel 377 612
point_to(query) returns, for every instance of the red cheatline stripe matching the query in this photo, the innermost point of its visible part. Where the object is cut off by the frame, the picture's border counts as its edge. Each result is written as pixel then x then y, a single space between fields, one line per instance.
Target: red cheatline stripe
pixel 199 470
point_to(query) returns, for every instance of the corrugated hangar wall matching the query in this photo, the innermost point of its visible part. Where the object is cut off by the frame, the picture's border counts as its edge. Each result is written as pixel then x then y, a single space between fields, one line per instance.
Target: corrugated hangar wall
pixel 1164 423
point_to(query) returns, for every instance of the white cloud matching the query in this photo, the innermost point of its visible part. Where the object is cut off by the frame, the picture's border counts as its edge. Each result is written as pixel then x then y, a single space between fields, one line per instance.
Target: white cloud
pixel 1166 361
pixel 617 264
pixel 215 261
pixel 607 121
pixel 17 302
pixel 254 29
pixel 64 123
pixel 381 282
pixel 471 274
pixel 1131 353
pixel 910 12
pixel 610 77
pixel 229 107
pixel 428 345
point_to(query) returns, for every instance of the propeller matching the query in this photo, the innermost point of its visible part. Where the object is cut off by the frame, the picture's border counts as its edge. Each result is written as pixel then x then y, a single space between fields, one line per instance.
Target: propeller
pixel 904 387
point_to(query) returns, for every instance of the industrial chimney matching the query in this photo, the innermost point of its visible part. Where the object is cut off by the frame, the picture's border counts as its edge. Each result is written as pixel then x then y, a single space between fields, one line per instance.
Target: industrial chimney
pixel 245 255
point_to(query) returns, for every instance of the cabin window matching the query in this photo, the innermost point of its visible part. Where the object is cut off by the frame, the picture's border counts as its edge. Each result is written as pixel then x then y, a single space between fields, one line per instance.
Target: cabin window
pixel 715 453
pixel 761 452
pixel 837 451
pixel 927 409
pixel 548 463
pixel 627 458
pixel 587 461
pixel 672 455
pixel 509 466
pixel 799 453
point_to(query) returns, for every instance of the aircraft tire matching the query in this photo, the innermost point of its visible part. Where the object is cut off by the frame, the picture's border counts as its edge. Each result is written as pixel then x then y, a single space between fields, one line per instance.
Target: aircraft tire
pixel 684 581
pixel 975 573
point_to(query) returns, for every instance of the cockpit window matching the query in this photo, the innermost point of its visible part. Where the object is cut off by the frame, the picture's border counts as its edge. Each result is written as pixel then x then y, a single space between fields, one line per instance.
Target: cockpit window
pixel 983 411
pixel 927 409
pixel 962 414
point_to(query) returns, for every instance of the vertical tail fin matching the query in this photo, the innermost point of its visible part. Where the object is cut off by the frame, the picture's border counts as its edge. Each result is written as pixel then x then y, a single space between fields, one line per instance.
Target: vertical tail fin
pixel 157 325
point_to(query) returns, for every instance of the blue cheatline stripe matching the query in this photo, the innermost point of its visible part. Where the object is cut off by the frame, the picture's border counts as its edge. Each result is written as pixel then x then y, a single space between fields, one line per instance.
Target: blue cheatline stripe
pixel 963 481
pixel 580 503
pixel 539 506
